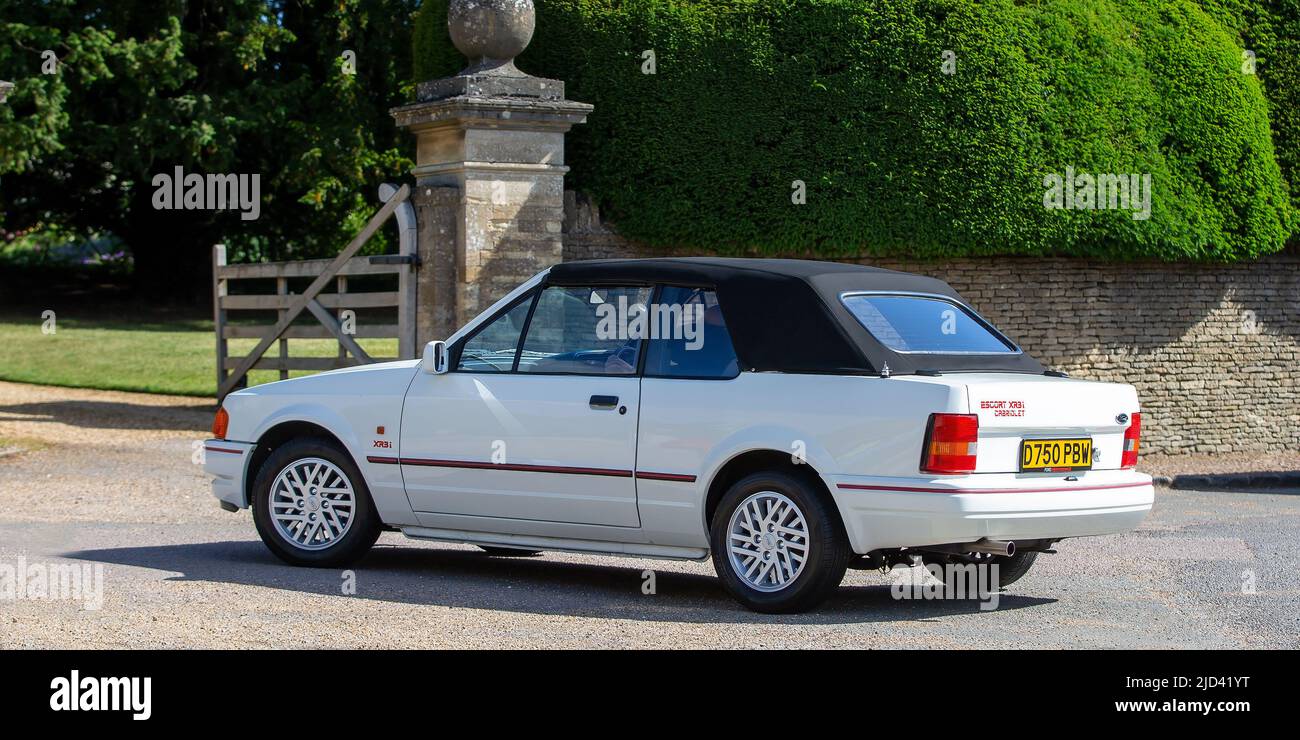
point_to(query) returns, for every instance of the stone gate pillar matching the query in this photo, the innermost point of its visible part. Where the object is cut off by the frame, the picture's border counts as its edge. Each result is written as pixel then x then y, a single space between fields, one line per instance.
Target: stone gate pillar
pixel 490 142
pixel 5 87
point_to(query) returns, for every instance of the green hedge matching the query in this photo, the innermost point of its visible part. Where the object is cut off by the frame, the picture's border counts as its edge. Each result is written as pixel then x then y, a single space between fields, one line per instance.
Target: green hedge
pixel 432 53
pixel 1281 71
pixel 902 159
pixel 1278 43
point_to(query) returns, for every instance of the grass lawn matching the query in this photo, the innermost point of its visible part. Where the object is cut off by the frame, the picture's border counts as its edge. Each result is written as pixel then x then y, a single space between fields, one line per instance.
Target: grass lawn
pixel 128 353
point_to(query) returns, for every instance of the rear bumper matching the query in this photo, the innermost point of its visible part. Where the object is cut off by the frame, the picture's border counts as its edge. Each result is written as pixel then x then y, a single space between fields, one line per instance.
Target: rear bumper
pixel 884 513
pixel 226 463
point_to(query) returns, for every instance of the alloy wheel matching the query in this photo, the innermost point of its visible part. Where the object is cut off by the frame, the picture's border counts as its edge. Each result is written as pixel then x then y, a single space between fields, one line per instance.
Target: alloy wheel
pixel 312 503
pixel 767 541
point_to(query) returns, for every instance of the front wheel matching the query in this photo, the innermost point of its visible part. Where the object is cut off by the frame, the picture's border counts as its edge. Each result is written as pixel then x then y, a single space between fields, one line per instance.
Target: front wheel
pixel 778 544
pixel 312 507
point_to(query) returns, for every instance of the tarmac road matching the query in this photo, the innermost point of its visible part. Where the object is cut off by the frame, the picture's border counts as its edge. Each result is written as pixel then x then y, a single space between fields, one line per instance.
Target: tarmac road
pixel 107 481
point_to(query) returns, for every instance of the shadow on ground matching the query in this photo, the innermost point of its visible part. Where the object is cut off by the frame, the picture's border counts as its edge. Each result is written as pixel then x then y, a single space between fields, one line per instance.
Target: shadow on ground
pixel 115 415
pixel 464 578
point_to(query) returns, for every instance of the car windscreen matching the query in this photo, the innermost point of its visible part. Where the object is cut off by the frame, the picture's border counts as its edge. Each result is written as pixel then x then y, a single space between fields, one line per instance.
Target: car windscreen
pixel 933 325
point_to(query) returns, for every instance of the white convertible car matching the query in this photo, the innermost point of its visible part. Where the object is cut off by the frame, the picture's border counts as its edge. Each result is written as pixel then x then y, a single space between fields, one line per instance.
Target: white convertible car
pixel 788 418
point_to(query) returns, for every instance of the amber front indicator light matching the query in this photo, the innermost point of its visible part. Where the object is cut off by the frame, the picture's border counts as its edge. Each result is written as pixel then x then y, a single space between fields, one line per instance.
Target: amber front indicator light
pixel 951 442
pixel 1132 435
pixel 220 423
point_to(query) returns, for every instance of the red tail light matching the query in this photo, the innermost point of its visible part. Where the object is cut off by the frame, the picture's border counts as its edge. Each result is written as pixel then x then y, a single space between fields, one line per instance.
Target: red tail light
pixel 220 423
pixel 1132 435
pixel 950 443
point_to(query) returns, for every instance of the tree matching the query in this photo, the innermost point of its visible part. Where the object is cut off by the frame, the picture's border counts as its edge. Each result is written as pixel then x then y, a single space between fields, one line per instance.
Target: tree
pixel 249 87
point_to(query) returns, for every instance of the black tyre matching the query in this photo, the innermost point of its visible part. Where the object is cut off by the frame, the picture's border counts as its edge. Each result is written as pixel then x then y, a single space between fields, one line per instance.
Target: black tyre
pixel 1014 568
pixel 312 507
pixel 508 552
pixel 778 543
pixel 1010 569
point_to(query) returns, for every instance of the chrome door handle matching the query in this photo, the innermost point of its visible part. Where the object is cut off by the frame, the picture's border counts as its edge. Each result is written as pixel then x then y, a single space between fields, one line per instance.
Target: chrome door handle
pixel 603 402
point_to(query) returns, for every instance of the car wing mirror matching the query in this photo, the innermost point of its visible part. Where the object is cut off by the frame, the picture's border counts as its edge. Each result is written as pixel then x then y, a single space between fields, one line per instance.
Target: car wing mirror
pixel 435 358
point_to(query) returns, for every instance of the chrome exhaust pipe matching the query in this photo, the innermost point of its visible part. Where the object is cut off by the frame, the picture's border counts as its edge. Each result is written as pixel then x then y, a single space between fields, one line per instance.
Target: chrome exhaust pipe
pixel 991 547
pixel 984 546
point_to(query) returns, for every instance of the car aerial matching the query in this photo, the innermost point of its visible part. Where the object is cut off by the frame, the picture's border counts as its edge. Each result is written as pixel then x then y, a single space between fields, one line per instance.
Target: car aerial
pixel 789 418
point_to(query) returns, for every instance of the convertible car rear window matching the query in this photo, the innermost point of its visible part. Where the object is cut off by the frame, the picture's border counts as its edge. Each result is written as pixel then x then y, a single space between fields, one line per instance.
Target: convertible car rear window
pixel 934 325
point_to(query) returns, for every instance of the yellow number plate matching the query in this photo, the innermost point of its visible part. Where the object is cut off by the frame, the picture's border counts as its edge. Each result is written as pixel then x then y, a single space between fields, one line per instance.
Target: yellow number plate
pixel 1055 455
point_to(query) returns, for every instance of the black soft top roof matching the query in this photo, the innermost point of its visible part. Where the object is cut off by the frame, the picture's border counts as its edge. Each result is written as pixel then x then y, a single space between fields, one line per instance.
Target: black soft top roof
pixel 786 315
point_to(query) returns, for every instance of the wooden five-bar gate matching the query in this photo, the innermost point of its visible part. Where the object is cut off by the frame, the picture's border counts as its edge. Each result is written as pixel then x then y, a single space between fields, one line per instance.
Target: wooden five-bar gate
pixel 327 308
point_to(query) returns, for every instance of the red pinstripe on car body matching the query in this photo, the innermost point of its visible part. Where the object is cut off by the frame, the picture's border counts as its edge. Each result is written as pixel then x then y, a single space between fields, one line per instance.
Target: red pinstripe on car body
pixel 522 468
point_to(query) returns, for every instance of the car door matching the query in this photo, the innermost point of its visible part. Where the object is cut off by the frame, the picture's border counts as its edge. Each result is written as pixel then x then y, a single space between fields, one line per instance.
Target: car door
pixel 537 418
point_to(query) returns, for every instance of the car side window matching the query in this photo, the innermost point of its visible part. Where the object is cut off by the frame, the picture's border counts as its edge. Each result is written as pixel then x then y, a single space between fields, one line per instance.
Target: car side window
pixel 492 349
pixel 690 338
pixel 584 331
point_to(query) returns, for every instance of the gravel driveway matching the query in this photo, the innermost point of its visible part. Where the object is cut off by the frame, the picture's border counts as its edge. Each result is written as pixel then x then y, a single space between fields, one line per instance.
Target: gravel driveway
pixel 108 479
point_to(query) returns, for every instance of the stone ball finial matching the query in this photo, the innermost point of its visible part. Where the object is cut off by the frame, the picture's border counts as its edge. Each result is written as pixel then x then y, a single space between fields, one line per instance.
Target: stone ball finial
pixel 491 33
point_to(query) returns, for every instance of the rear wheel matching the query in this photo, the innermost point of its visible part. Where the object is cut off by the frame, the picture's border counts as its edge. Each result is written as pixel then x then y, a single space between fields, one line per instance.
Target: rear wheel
pixel 778 545
pixel 311 505
pixel 1015 567
pixel 1010 569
